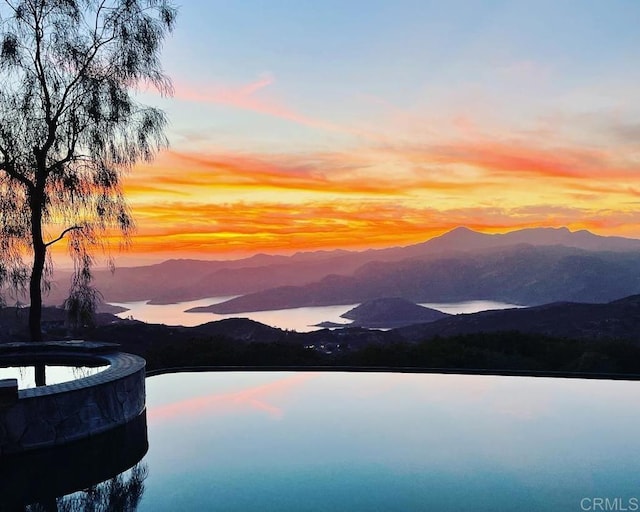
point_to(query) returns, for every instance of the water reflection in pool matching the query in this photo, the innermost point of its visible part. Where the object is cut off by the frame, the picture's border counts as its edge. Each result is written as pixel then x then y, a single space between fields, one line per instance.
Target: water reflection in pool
pixel 55 374
pixel 336 441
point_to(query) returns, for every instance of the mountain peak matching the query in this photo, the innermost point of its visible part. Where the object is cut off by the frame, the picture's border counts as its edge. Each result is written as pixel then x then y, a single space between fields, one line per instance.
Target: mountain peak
pixel 461 229
pixel 461 238
pixel 464 239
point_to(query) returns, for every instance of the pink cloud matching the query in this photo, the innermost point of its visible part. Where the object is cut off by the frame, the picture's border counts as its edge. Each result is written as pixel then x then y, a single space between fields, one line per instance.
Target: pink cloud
pixel 251 97
pixel 252 398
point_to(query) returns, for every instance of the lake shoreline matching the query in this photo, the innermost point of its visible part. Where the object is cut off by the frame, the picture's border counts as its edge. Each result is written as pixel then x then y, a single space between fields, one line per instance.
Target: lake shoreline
pixel 300 319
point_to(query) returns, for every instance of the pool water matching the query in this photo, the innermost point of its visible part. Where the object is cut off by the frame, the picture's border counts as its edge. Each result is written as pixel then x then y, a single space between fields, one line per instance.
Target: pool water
pixel 302 441
pixel 388 442
pixel 55 374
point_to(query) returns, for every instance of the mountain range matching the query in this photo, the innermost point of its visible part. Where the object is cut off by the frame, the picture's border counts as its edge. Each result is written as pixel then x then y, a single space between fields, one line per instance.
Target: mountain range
pixel 528 267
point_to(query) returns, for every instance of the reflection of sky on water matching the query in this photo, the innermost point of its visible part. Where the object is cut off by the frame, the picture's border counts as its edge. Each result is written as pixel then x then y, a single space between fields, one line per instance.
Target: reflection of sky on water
pixel 299 319
pixel 338 441
pixel 170 314
pixel 468 306
pixel 26 375
pixel 253 398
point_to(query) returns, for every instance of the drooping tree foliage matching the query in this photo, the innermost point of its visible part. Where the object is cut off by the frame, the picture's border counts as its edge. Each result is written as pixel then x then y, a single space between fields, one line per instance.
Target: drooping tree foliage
pixel 121 493
pixel 70 126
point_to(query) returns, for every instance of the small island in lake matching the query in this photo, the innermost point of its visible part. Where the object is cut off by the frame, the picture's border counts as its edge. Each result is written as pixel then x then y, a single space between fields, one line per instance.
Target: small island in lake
pixel 387 313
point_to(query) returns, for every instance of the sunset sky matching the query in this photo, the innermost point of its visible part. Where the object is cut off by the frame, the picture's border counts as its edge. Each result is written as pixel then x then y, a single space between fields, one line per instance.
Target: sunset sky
pixel 304 125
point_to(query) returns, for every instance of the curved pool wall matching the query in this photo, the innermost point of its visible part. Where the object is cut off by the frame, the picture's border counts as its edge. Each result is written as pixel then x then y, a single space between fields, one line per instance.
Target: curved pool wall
pixel 61 413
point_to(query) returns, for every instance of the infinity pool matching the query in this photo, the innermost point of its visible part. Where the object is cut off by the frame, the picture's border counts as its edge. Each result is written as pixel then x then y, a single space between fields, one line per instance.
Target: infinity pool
pixel 387 442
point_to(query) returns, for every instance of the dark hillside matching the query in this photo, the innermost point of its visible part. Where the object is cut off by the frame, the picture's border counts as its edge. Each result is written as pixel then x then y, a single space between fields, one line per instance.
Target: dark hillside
pixel 617 320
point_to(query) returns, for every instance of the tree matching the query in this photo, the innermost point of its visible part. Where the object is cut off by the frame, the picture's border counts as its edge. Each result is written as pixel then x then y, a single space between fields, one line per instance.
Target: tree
pixel 70 127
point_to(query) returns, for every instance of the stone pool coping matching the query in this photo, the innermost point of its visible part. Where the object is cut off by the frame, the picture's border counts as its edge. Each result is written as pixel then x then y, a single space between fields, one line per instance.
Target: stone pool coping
pixel 69 411
pixel 399 369
pixel 120 365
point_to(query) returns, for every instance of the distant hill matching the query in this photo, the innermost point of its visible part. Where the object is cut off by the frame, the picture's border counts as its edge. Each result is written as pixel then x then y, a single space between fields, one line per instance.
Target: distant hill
pixel 184 279
pixel 14 323
pixel 387 313
pixel 240 329
pixel 140 336
pixel 615 320
pixel 522 274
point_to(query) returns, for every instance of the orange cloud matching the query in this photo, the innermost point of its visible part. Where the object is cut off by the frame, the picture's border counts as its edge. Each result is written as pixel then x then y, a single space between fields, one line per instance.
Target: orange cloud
pixel 510 160
pixel 243 228
pixel 336 173
pixel 234 203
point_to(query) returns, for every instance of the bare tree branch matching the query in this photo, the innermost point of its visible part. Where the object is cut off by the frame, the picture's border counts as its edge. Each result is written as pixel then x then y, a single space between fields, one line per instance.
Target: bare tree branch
pixel 62 235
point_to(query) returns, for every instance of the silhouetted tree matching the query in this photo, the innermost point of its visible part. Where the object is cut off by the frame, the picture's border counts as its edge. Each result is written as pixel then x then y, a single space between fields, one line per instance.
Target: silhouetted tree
pixel 70 126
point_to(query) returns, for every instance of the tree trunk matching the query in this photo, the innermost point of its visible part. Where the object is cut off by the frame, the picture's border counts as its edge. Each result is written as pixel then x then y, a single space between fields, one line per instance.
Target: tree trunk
pixel 41 375
pixel 35 296
pixel 37 271
pixel 35 283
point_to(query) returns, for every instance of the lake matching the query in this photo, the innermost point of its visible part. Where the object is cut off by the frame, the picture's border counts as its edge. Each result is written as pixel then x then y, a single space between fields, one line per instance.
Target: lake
pixel 298 319
pixel 298 441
